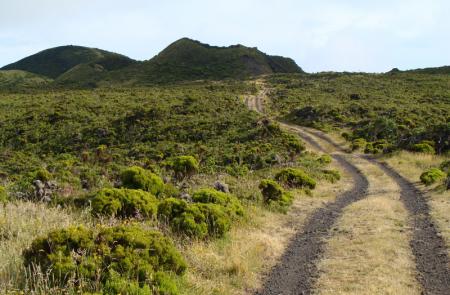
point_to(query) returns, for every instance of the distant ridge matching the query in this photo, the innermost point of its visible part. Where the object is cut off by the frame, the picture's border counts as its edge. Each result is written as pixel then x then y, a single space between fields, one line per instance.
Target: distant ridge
pixel 55 61
pixel 444 70
pixel 183 60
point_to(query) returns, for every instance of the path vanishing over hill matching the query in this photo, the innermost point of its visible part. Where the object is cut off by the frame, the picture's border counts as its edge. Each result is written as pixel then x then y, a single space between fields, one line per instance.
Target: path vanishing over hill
pixel 297 271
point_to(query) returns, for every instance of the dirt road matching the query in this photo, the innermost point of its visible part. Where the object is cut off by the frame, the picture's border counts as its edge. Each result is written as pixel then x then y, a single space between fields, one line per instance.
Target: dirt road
pixel 297 270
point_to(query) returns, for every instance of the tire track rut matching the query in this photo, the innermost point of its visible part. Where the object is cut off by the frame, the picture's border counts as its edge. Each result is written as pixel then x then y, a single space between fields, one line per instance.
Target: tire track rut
pixel 428 247
pixel 297 270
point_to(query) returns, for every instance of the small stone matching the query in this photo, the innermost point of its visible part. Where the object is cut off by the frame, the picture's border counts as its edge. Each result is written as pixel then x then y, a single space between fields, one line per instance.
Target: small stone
pixel 221 187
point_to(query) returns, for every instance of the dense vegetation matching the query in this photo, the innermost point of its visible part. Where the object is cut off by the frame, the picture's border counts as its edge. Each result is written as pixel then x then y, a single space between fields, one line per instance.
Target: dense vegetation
pixel 128 156
pixel 83 136
pixel 381 111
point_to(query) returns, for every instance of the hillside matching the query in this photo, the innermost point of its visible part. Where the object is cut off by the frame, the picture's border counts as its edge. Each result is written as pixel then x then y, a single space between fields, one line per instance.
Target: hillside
pixel 187 59
pixel 55 61
pixel 14 79
pixel 396 111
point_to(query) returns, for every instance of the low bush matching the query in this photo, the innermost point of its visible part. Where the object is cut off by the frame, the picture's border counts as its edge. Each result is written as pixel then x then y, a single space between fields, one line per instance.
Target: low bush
pixel 431 176
pixel 124 203
pixel 274 195
pixel 295 178
pixel 331 175
pixel 139 178
pixel 42 175
pixel 183 217
pixel 118 260
pixel 228 201
pixel 199 220
pixel 423 148
pixel 184 166
pixel 325 159
pixel 378 147
pixel 359 144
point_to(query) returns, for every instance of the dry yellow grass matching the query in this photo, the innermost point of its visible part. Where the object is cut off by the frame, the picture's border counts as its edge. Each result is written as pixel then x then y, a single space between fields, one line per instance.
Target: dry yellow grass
pixel 411 165
pixel 20 223
pixel 369 251
pixel 236 264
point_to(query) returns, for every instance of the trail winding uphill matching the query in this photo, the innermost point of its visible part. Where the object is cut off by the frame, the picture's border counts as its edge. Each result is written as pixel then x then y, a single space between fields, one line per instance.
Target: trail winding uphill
pixel 297 271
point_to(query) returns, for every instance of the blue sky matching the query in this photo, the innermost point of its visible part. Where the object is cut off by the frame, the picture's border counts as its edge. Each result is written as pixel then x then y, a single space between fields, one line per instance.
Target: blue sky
pixel 321 35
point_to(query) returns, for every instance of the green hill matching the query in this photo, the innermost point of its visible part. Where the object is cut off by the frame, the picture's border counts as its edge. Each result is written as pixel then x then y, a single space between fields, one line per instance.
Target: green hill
pixel 89 74
pixel 187 59
pixel 19 79
pixel 183 60
pixel 55 61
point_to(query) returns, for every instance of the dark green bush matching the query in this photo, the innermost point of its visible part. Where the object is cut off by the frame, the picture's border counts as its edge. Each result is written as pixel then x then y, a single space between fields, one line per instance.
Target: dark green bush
pixel 423 148
pixel 431 176
pixel 230 202
pixel 122 259
pixel 184 166
pixel 445 166
pixel 331 175
pixel 124 203
pixel 139 178
pixel 295 178
pixel 274 195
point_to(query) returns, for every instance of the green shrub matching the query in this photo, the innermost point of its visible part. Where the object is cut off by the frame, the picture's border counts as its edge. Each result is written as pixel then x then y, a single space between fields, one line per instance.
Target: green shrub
pixel 331 175
pixel 431 176
pixel 54 252
pixel 295 178
pixel 325 159
pixel 139 178
pixel 124 203
pixel 3 195
pixel 274 195
pixel 378 147
pixel 183 217
pixel 445 166
pixel 293 143
pixel 423 148
pixel 359 144
pixel 217 219
pixel 184 166
pixel 42 175
pixel 198 220
pixel 124 260
pixel 230 202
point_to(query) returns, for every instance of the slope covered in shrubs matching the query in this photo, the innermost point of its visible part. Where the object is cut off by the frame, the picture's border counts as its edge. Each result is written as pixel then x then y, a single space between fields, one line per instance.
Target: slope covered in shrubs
pixel 97 132
pixel 394 110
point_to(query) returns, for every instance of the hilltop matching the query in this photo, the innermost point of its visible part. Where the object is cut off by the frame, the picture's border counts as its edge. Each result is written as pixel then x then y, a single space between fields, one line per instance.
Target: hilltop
pixel 55 61
pixel 187 59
